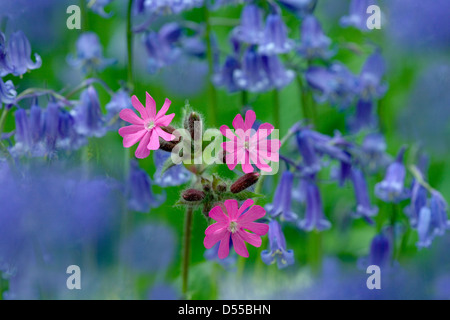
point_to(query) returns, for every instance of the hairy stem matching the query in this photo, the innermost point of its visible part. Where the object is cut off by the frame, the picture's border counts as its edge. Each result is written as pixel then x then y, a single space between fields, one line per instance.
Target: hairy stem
pixel 187 250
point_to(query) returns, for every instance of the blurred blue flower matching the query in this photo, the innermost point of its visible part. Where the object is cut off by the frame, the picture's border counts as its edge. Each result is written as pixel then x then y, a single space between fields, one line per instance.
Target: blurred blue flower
pixel 370 84
pixel 380 251
pixel 149 248
pixel 358 16
pixel 300 8
pixel 314 217
pixel 229 263
pixel 373 152
pixel 28 133
pixel 391 189
pixel 225 77
pixel 170 6
pixel 311 161
pixel 68 137
pixel 89 54
pixel 278 76
pixel 161 291
pixel 363 206
pixel 365 117
pixel 17 60
pixel 335 84
pixel 7 92
pixel 88 115
pixel 4 70
pixel 51 126
pixel 251 29
pixel 314 43
pixel 275 39
pixel 252 76
pixel 277 244
pixel 282 200
pixel 174 176
pixel 140 195
pixel 419 199
pixel 98 6
pixel 120 100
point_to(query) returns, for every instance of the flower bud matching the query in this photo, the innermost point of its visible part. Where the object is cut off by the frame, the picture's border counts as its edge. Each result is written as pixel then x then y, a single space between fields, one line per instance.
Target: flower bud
pixel 206 184
pixel 193 124
pixel 193 195
pixel 245 182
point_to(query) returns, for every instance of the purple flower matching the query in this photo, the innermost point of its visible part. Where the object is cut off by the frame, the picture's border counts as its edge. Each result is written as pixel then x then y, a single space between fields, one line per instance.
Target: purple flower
pixel 88 115
pixel 89 56
pixel 336 84
pixel 228 263
pixel 98 6
pixel 311 160
pixel 278 76
pixel 358 16
pixel 300 8
pixel 380 251
pixel 174 176
pixel 419 199
pixel 7 92
pixel 140 195
pixel 275 40
pixel 391 189
pixel 314 43
pixel 4 69
pixel 251 29
pixel 365 116
pixel 252 76
pixel 277 248
pixel 370 86
pixel 433 220
pixel 68 138
pixel 51 126
pixel 373 156
pixel 282 201
pixel 18 53
pixel 170 6
pixel 225 77
pixel 363 206
pixel 314 217
pixel 120 100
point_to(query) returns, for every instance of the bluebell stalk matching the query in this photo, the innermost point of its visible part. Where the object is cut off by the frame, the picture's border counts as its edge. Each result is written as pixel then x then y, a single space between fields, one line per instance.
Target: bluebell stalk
pixel 277 252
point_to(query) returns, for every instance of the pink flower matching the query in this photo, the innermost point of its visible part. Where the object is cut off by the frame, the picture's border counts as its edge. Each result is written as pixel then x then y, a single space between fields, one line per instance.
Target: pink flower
pixel 234 223
pixel 248 146
pixel 147 128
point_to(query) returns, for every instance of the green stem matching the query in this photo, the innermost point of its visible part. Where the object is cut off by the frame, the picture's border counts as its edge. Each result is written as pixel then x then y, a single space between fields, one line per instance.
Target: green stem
pixel 315 250
pixel 276 109
pixel 244 98
pixel 212 93
pixel 84 15
pixel 130 44
pixel 187 250
pixel 3 119
pixel 303 98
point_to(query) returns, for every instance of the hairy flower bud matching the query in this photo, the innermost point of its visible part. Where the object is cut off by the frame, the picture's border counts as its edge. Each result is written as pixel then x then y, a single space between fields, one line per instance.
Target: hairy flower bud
pixel 193 124
pixel 206 184
pixel 245 182
pixel 193 195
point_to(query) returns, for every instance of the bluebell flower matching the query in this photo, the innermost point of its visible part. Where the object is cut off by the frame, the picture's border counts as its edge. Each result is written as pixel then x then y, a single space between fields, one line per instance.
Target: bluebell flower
pixel 380 251
pixel 229 263
pixel 89 54
pixel 175 176
pixel 18 56
pixel 88 115
pixel 311 161
pixel 433 220
pixel 335 84
pixel 314 216
pixel 342 172
pixel 373 152
pixel 419 199
pixel 68 137
pixel 120 100
pixel 251 29
pixel 170 6
pixel 51 126
pixel 363 206
pixel 252 76
pixel 140 195
pixel 357 16
pixel 370 84
pixel 149 248
pixel 365 116
pixel 275 40
pixel 98 6
pixel 282 201
pixel 277 248
pixel 392 189
pixel 278 76
pixel 7 92
pixel 300 8
pixel 4 69
pixel 162 291
pixel 225 77
pixel 314 43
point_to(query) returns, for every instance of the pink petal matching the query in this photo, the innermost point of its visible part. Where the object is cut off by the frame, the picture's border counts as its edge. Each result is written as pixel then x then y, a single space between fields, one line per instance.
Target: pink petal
pixel 142 150
pixel 232 207
pixel 130 129
pixel 131 117
pixel 239 245
pixel 260 163
pixel 165 135
pixel 247 204
pixel 227 132
pixel 263 132
pixel 257 228
pixel 150 106
pixel 164 109
pixel 139 107
pixel 224 247
pixel 131 139
pixel 254 213
pixel 251 238
pixel 250 118
pixel 165 120
pixel 215 227
pixel 246 165
pixel 154 141
pixel 231 160
pixel 217 214
pixel 238 122
pixel 212 238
